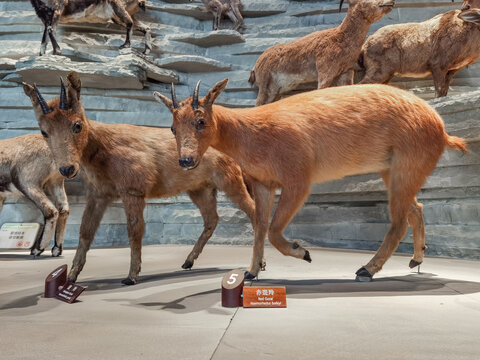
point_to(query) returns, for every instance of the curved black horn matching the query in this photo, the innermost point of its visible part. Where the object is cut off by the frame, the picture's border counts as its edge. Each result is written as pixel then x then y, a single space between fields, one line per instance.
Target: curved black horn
pixel 174 98
pixel 63 96
pixel 195 96
pixel 45 109
pixel 340 8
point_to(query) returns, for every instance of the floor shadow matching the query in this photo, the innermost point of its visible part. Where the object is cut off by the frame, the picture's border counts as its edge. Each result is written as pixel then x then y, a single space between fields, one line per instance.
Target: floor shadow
pixel 146 281
pixel 190 299
pixel 26 257
pixel 411 284
pixel 423 284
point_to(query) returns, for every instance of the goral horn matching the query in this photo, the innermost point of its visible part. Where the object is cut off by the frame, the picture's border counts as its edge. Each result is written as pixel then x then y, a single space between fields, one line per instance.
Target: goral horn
pixel 45 109
pixel 195 96
pixel 63 96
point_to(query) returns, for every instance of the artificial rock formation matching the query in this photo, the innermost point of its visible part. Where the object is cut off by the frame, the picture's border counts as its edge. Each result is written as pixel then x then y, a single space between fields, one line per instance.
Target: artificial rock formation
pixel 350 213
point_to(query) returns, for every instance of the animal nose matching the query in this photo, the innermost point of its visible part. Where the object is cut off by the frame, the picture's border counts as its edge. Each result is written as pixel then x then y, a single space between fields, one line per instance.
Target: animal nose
pixel 466 7
pixel 67 171
pixel 186 162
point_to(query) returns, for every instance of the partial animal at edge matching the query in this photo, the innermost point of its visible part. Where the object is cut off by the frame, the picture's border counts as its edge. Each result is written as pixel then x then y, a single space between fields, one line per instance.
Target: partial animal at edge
pixel 27 168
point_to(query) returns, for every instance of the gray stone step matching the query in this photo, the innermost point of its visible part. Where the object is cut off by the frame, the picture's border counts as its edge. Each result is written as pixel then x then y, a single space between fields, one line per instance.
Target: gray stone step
pixel 125 72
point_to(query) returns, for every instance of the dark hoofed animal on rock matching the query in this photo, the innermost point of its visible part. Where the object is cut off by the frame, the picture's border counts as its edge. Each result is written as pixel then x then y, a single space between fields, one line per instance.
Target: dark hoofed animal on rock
pixel 320 136
pixel 231 8
pixel 132 163
pixel 27 168
pixel 97 11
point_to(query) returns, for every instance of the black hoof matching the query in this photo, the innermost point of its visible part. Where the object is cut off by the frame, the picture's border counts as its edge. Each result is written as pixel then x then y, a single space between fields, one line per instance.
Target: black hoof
pixel 363 275
pixel 57 251
pixel 307 257
pixel 413 264
pixel 187 265
pixel 128 281
pixel 71 280
pixel 249 276
pixel 124 46
pixel 36 252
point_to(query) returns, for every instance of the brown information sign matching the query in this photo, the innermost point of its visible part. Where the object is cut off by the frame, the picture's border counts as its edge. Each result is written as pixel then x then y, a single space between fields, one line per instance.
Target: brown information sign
pixel 255 297
pixel 55 281
pixel 69 292
pixel 232 285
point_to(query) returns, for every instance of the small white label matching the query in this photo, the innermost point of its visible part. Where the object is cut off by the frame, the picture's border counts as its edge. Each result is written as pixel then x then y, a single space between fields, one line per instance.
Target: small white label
pixel 18 235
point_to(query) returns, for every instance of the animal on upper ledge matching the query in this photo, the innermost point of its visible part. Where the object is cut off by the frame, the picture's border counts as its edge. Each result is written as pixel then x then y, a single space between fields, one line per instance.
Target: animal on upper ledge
pixel 94 11
pixel 439 47
pixel 231 8
pixel 326 56
pixel 27 168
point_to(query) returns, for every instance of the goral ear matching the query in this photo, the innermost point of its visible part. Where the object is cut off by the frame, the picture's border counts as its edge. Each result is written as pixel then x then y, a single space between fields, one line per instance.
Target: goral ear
pixel 30 92
pixel 212 95
pixel 75 82
pixel 163 99
pixel 472 16
pixel 74 89
pixel 39 104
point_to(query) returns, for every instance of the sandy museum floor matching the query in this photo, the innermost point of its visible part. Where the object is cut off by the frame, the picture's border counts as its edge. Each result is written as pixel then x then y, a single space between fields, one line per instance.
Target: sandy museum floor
pixel 176 314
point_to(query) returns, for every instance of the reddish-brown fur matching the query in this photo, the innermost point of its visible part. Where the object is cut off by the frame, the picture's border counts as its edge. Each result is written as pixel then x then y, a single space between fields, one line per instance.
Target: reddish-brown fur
pixel 132 163
pixel 327 56
pixel 321 136
pixel 439 47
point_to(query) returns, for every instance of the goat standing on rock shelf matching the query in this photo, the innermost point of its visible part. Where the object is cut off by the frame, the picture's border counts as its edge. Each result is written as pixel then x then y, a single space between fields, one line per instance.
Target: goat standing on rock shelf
pixel 95 11
pixel 321 136
pixel 231 8
pixel 326 56
pixel 439 47
pixel 27 168
pixel 132 163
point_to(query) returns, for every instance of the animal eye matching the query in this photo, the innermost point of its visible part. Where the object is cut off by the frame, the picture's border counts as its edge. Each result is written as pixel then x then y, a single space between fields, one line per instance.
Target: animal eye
pixel 77 127
pixel 200 124
pixel 44 134
pixel 174 132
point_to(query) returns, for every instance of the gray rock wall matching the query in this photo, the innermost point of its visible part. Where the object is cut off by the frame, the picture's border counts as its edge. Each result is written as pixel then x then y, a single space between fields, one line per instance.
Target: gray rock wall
pixel 350 213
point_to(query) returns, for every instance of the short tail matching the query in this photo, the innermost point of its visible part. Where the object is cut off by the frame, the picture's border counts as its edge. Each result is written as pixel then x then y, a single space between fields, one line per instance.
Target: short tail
pixel 457 143
pixel 251 79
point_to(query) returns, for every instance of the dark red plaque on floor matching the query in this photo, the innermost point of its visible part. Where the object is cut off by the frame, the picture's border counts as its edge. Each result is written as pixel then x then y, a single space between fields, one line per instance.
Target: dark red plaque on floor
pixel 56 279
pixel 232 287
pixel 69 292
pixel 57 286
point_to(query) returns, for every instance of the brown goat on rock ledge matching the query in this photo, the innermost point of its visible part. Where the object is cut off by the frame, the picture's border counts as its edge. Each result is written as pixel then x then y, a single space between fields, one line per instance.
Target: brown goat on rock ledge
pixel 321 136
pixel 132 163
pixel 326 56
pixel 439 47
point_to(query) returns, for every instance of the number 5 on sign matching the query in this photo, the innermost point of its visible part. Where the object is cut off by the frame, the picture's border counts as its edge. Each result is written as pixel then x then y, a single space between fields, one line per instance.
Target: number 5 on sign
pixel 232 279
pixel 232 286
